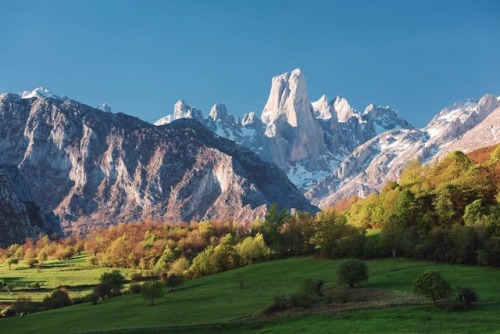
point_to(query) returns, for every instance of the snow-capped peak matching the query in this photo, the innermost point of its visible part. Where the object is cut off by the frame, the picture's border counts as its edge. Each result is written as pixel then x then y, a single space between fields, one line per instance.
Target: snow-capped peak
pixel 39 92
pixel 104 107
pixel 182 110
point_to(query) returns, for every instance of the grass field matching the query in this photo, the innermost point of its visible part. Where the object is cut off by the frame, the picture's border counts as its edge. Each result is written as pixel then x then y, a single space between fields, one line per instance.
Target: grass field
pixel 74 273
pixel 215 303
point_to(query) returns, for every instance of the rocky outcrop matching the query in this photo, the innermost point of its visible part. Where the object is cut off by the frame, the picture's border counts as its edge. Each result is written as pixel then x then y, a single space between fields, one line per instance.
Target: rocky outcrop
pixel 20 215
pixel 94 168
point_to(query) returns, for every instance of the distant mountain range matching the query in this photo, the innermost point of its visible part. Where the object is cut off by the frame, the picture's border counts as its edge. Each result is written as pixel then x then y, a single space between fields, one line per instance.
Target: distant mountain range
pixel 330 151
pixel 92 167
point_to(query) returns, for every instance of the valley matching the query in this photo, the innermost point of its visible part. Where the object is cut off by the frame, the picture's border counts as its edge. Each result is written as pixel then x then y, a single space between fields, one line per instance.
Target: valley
pixel 216 303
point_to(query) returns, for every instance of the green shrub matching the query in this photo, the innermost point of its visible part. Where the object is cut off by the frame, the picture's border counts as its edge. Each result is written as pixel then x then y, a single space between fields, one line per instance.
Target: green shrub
pixel 58 298
pixel 352 272
pixel 134 288
pixel 467 296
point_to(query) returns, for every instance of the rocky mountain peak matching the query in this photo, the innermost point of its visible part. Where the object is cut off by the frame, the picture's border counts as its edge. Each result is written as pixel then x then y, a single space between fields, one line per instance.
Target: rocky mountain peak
pixel 182 110
pixel 287 99
pixel 343 109
pixel 219 113
pixel 322 109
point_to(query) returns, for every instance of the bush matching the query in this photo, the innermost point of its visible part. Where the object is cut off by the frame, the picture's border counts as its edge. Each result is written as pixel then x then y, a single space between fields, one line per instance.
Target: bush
pixel 92 261
pixel 93 297
pixel 58 298
pixel 467 296
pixel 23 306
pixel 294 300
pixel 352 272
pixel 134 288
pixel 135 277
pixel 35 285
pixel 312 288
pixel 279 304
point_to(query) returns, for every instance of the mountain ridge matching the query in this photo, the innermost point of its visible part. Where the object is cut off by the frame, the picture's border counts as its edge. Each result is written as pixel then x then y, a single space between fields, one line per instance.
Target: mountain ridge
pixel 104 168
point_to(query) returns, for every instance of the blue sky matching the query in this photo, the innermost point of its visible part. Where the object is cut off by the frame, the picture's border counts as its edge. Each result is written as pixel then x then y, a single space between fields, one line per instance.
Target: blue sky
pixel 142 56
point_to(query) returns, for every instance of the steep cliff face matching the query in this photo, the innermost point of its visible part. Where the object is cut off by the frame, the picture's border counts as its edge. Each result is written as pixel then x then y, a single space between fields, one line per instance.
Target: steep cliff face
pixel 20 215
pixel 290 123
pixel 94 168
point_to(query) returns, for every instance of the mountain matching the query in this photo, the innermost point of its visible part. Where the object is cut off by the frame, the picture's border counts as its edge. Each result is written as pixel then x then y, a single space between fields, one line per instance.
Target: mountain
pixel 308 140
pixel 462 126
pixel 20 215
pixel 95 168
pixel 330 151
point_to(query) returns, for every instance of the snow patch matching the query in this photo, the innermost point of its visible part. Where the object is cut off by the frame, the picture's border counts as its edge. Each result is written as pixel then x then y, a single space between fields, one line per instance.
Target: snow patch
pixel 39 92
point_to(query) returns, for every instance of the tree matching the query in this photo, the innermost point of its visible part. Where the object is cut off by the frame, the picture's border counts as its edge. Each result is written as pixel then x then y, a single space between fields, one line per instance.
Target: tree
pixel 102 290
pixel 152 290
pixel 252 249
pixel 11 261
pixel 173 281
pixel 115 279
pixel 42 257
pixel 274 220
pixel 351 272
pixel 431 285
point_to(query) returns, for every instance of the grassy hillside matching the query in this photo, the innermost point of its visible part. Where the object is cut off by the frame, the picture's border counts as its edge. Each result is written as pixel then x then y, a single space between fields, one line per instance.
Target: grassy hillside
pixel 217 299
pixel 74 273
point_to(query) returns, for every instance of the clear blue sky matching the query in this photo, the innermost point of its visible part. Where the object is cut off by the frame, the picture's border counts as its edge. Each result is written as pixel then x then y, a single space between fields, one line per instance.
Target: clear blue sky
pixel 142 56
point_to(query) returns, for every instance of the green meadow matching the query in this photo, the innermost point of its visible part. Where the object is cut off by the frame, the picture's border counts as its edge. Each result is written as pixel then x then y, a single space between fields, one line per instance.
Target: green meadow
pixel 216 303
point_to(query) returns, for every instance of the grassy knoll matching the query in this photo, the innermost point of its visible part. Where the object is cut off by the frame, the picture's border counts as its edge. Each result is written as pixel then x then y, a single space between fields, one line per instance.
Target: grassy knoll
pixel 216 302
pixel 74 273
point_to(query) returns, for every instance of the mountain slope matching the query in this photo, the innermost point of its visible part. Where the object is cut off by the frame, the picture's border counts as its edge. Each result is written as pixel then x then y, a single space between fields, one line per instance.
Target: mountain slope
pixel 94 168
pixel 20 216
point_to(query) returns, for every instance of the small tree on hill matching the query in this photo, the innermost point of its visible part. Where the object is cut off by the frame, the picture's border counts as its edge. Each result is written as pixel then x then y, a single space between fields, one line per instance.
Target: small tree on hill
pixel 173 281
pixel 431 285
pixel 115 279
pixel 152 290
pixel 352 272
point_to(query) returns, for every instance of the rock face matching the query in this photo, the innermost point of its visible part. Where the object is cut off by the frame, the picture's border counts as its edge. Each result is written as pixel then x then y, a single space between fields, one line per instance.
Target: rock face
pixel 20 215
pixel 94 168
